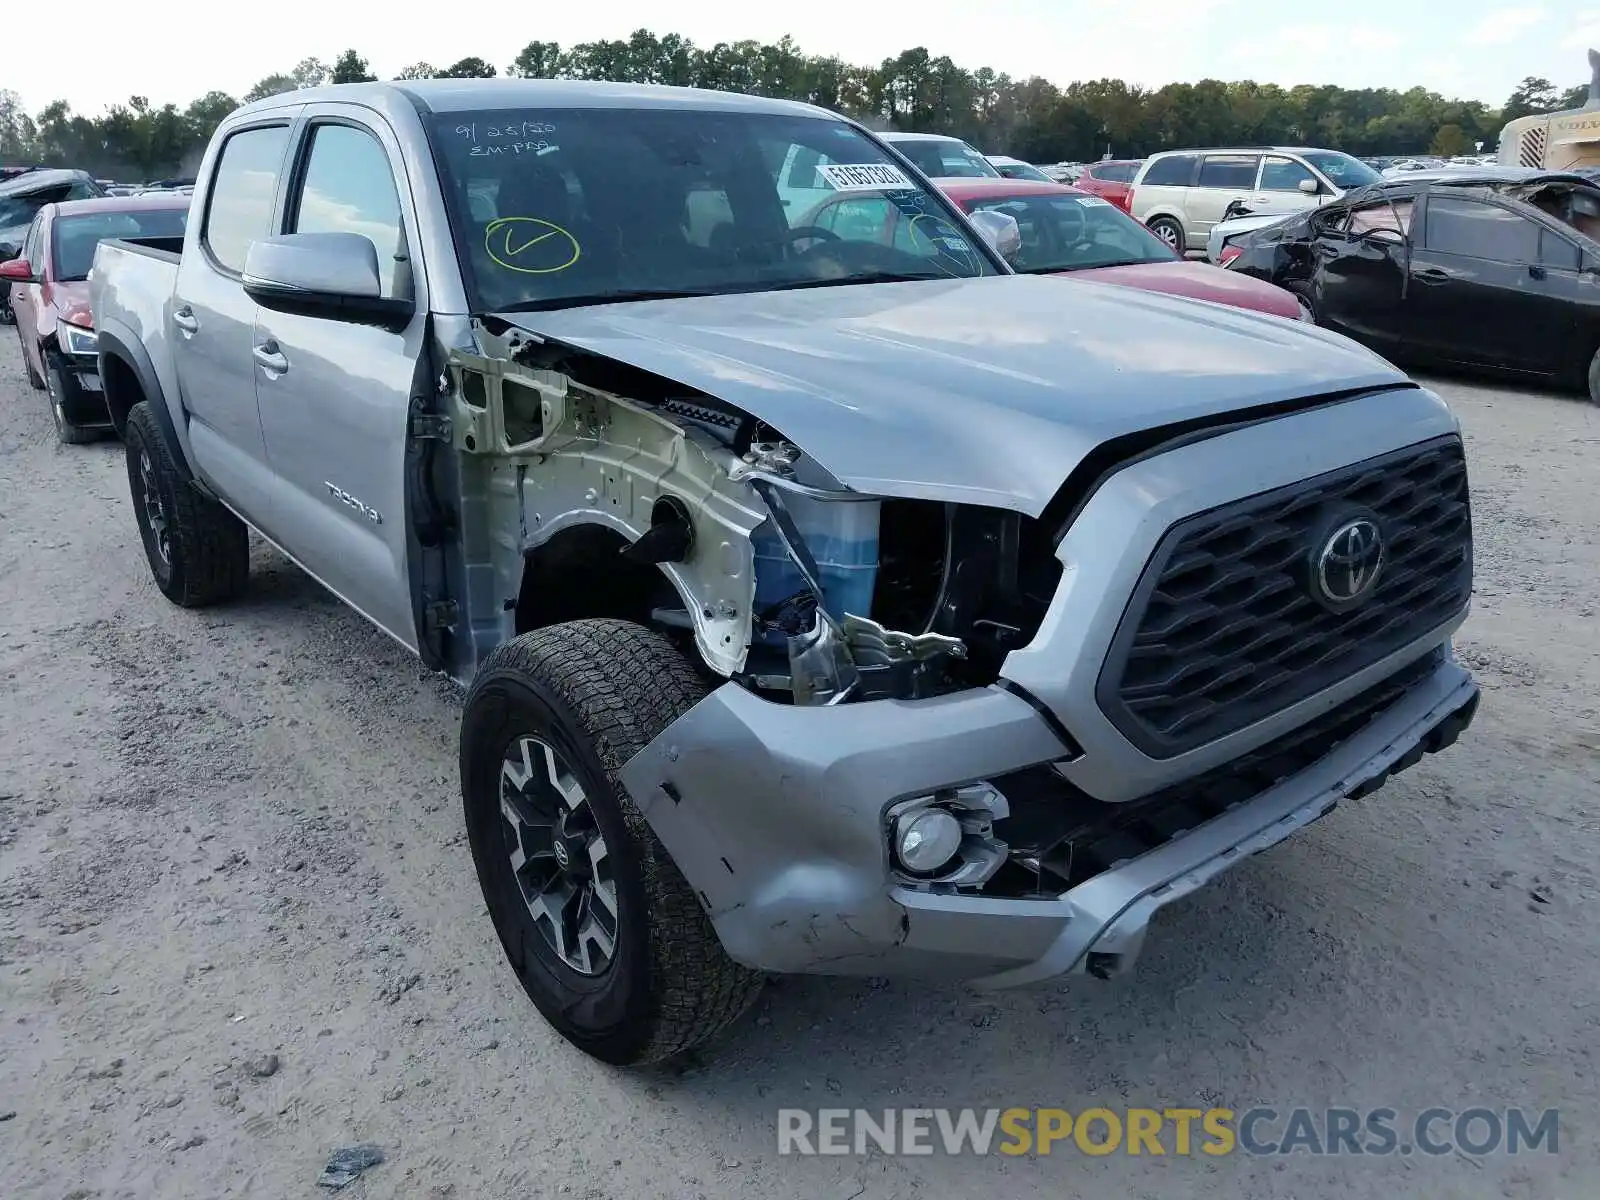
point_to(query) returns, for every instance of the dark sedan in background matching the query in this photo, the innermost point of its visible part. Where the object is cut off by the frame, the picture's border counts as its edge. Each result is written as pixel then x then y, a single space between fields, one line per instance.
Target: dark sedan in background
pixel 49 296
pixel 1495 269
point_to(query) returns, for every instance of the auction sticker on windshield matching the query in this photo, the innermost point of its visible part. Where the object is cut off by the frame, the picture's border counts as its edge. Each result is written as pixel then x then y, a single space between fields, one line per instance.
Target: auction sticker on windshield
pixel 865 177
pixel 1093 202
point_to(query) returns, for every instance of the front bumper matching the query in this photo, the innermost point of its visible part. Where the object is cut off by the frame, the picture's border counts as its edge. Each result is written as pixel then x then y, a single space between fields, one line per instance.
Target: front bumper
pixel 83 398
pixel 776 816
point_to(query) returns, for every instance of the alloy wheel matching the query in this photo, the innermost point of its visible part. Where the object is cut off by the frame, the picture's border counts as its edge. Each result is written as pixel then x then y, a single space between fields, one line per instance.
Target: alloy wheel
pixel 558 855
pixel 155 512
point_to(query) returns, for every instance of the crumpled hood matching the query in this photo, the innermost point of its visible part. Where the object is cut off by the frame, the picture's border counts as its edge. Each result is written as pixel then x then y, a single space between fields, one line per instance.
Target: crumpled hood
pixel 985 390
pixel 1198 281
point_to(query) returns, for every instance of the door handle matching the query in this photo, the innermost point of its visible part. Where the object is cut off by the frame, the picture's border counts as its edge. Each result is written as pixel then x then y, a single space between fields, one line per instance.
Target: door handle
pixel 186 321
pixel 1535 271
pixel 270 358
pixel 1431 275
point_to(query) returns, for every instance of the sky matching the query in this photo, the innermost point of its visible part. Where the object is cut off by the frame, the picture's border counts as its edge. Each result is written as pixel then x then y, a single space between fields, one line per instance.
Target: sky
pixel 1472 49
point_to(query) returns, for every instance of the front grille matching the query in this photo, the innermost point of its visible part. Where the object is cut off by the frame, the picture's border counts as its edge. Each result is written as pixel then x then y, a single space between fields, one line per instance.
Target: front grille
pixel 1223 628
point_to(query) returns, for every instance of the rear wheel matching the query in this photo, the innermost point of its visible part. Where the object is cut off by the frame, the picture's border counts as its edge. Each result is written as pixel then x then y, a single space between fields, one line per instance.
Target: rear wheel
pixel 1171 232
pixel 603 931
pixel 1594 378
pixel 67 433
pixel 199 552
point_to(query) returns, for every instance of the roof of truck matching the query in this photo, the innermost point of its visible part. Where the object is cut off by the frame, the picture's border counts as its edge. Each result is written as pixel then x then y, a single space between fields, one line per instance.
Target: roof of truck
pixel 458 95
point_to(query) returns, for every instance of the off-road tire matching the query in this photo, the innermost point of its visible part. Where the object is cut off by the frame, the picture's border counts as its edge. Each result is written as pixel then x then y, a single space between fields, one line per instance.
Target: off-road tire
pixel 1179 240
pixel 598 691
pixel 1594 378
pixel 35 380
pixel 208 557
pixel 67 433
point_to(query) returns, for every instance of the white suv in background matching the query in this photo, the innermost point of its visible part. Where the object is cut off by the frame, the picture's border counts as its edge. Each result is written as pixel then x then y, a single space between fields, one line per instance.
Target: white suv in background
pixel 1181 194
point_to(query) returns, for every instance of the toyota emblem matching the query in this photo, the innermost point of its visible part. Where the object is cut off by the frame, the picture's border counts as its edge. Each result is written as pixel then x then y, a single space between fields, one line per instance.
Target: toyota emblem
pixel 1346 567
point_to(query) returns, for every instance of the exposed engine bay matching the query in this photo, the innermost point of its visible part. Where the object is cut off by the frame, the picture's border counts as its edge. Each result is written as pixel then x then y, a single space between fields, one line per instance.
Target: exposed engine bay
pixel 613 491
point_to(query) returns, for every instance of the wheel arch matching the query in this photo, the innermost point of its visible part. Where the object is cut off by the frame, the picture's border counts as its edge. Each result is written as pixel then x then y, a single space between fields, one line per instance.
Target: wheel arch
pixel 129 377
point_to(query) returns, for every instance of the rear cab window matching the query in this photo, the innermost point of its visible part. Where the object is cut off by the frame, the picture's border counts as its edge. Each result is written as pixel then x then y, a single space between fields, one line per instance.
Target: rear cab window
pixel 243 190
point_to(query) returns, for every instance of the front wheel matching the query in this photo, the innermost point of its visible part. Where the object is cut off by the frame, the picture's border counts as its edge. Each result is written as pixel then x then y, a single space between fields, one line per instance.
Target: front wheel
pixel 68 433
pixel 1170 232
pixel 1594 378
pixel 35 380
pixel 606 936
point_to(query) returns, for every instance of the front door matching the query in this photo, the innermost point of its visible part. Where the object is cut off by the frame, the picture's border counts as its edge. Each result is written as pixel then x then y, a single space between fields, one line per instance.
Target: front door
pixel 1281 188
pixel 1359 272
pixel 335 396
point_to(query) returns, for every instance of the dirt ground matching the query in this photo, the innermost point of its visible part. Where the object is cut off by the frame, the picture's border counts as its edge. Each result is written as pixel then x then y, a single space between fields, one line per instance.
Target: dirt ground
pixel 239 925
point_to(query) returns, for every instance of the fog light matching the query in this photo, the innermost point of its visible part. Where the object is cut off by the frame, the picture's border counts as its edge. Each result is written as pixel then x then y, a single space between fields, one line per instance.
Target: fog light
pixel 926 839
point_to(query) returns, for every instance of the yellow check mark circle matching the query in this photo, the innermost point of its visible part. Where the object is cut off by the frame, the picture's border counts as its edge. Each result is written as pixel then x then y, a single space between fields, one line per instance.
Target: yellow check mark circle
pixel 530 245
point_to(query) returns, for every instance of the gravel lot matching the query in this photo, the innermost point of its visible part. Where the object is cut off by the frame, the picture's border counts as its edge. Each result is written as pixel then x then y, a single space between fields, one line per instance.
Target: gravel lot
pixel 239 925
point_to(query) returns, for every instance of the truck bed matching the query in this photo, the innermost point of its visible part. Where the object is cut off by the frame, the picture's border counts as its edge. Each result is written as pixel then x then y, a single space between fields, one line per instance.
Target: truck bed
pixel 130 290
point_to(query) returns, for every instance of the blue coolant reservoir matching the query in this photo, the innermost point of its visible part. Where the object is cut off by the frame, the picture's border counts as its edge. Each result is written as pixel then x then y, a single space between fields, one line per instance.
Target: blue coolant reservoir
pixel 842 535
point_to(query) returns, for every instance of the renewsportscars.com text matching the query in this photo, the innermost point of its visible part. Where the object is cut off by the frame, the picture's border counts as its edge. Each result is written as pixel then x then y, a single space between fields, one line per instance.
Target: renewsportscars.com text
pixel 1160 1131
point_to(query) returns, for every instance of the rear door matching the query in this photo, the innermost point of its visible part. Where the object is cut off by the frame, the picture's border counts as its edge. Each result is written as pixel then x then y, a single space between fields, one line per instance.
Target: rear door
pixel 1358 280
pixel 211 318
pixel 335 396
pixel 1223 179
pixel 1478 291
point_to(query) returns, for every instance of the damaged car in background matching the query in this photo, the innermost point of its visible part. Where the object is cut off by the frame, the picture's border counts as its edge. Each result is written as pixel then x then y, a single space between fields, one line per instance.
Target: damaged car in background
pixel 825 605
pixel 1492 269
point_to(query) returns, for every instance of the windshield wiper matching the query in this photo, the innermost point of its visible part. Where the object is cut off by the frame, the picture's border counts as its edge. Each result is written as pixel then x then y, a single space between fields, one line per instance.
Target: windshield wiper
pixel 866 277
pixel 551 303
pixel 1116 262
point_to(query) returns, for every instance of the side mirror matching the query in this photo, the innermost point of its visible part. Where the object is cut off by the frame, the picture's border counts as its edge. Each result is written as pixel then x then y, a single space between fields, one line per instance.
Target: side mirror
pixel 17 270
pixel 999 230
pixel 1310 187
pixel 331 275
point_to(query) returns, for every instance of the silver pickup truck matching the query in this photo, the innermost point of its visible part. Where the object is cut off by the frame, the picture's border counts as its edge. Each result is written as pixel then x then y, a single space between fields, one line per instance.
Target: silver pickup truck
pixel 830 598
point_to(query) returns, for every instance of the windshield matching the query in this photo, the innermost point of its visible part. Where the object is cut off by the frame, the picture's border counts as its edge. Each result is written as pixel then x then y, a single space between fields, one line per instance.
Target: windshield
pixel 946 158
pixel 553 208
pixel 1342 171
pixel 74 238
pixel 1072 233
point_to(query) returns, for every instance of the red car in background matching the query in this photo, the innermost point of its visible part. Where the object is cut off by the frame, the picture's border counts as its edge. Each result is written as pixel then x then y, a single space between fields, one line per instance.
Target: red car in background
pixel 1111 180
pixel 1068 231
pixel 50 298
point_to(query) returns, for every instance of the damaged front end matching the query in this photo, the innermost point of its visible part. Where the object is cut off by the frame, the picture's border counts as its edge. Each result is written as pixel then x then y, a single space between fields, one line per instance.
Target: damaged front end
pixel 604 490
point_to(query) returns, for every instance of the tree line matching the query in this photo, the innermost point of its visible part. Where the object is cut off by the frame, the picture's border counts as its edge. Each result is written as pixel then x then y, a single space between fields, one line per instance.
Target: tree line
pixel 1031 118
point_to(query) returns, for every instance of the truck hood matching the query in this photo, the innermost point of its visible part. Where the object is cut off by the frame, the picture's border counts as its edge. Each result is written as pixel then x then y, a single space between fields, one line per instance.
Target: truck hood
pixel 986 391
